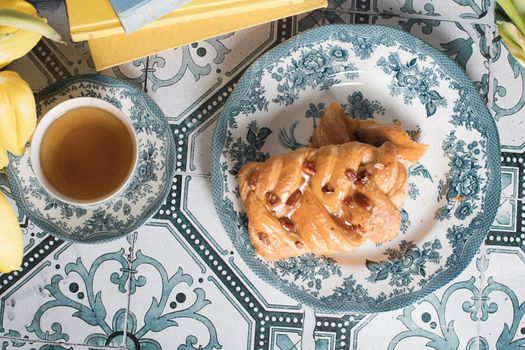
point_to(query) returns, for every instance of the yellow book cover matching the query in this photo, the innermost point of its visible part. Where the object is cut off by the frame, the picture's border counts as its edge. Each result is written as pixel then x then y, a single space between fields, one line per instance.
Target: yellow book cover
pixel 111 51
pixel 97 19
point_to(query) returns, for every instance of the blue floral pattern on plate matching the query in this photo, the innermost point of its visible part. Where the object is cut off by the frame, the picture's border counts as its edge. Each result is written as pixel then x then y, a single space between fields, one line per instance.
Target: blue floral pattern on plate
pixel 411 81
pixel 315 68
pixel 137 203
pixel 385 74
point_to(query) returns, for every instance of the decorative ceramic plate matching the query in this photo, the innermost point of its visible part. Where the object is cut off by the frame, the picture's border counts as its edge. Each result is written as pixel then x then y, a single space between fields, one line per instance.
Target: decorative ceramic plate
pixel 385 74
pixel 137 203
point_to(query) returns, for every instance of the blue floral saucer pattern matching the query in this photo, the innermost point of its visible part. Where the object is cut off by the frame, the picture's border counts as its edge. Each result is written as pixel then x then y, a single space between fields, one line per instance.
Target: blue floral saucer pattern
pixel 389 75
pixel 137 203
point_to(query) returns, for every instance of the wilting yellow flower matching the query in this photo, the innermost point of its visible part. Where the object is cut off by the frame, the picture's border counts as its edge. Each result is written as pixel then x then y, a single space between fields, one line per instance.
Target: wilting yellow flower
pixel 17 114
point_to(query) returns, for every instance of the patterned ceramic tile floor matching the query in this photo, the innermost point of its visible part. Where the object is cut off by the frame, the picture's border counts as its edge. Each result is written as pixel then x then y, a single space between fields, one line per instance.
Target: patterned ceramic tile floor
pixel 178 283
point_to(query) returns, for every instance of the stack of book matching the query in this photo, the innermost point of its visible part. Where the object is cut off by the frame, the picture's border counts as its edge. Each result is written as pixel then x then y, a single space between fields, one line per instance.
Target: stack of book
pixel 111 45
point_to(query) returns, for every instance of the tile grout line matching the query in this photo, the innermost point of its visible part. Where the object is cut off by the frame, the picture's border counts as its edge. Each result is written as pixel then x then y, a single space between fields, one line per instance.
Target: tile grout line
pixel 491 35
pixel 187 173
pixel 490 97
pixel 146 75
pixel 131 253
pixel 308 332
pixel 479 311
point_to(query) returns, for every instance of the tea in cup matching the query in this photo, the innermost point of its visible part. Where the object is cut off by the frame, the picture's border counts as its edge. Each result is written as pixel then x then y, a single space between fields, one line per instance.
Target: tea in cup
pixel 84 151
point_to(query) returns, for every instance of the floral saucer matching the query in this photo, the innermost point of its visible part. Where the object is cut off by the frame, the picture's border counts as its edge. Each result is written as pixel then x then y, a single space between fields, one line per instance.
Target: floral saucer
pixel 137 203
pixel 385 74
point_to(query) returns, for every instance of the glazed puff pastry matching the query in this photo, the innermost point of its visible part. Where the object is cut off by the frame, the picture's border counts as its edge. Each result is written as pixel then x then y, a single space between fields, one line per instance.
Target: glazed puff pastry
pixel 337 128
pixel 325 200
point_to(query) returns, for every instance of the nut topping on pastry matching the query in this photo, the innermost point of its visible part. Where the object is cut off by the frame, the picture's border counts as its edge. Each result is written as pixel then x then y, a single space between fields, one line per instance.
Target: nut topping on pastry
pixel 328 189
pixel 362 177
pixel 362 200
pixel 351 175
pixel 271 198
pixel 349 202
pixel 309 168
pixel 287 224
pixel 293 200
pixel 264 238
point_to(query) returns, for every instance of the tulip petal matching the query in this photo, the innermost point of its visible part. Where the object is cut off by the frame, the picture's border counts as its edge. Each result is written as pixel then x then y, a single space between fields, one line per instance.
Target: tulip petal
pixel 8 132
pixel 23 103
pixel 11 240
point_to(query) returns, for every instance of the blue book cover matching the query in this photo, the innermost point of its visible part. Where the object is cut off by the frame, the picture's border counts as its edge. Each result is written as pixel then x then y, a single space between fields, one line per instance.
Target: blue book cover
pixel 134 14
